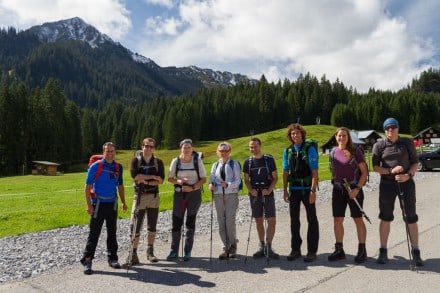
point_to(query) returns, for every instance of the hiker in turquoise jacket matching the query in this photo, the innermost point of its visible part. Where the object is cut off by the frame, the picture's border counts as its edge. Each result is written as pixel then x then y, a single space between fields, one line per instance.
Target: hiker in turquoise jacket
pixel 300 175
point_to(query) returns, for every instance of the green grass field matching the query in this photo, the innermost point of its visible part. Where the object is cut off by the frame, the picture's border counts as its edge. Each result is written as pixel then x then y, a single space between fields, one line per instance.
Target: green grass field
pixel 35 203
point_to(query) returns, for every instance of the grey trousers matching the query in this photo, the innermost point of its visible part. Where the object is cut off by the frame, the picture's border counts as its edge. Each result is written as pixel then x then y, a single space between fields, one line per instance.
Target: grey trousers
pixel 226 208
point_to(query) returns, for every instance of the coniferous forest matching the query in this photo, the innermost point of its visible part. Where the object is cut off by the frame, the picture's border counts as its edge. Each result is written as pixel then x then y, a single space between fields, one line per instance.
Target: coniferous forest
pixel 64 122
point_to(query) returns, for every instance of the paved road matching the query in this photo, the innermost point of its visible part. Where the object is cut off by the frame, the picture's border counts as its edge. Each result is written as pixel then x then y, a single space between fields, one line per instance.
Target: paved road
pixel 203 274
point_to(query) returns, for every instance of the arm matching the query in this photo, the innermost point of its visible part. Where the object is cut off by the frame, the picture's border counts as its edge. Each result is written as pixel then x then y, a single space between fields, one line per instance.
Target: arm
pixel 121 191
pixel 87 189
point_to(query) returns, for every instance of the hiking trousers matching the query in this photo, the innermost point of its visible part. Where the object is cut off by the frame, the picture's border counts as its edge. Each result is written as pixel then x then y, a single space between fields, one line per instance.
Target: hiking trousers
pixel 109 214
pixel 296 197
pixel 189 203
pixel 149 206
pixel 226 208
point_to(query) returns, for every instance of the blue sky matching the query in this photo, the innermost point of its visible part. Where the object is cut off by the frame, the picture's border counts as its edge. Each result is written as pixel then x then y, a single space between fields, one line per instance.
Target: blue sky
pixel 364 43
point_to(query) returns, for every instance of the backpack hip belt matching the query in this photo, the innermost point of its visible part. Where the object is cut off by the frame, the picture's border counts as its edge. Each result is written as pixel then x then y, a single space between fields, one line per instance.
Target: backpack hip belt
pixel 303 182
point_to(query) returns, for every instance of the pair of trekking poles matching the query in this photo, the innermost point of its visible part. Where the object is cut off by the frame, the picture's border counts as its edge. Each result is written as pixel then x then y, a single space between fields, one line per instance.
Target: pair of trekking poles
pixel 412 265
pixel 266 248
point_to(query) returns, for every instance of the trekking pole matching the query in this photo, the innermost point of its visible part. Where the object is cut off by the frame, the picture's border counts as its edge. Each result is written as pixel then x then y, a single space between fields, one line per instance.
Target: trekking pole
pixel 266 226
pixel 226 228
pixel 248 239
pixel 212 203
pixel 348 188
pixel 134 228
pixel 183 221
pixel 412 265
pixel 249 236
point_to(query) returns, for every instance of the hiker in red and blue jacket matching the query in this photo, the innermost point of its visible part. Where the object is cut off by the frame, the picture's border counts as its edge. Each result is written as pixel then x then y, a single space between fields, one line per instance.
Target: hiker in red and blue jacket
pixel 104 177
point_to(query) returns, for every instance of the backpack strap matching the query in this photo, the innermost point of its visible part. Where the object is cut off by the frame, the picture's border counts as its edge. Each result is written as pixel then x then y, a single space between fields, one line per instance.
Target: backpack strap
pixel 195 163
pixel 101 167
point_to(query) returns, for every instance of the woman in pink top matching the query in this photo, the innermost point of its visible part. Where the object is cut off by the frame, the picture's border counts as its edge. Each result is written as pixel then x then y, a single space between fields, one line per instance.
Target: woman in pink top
pixel 348 166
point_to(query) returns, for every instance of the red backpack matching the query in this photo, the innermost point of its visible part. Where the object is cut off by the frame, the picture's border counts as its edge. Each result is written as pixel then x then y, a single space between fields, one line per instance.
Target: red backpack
pixel 98 158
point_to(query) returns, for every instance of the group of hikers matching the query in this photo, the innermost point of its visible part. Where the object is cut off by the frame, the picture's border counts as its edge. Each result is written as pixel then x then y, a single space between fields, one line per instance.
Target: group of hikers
pixel 394 158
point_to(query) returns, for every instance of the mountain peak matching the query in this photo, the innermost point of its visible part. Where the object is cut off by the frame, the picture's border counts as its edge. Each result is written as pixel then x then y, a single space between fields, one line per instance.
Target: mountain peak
pixel 70 29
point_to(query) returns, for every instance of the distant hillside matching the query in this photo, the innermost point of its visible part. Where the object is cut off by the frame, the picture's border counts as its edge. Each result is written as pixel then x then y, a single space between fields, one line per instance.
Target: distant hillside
pixel 93 68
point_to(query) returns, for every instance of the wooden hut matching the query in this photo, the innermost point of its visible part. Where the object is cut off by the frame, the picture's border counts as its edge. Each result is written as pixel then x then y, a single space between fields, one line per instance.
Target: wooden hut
pixel 45 168
pixel 428 136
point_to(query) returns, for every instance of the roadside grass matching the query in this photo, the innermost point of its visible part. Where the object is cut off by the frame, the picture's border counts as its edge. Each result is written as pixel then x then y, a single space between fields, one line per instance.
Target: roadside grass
pixel 33 203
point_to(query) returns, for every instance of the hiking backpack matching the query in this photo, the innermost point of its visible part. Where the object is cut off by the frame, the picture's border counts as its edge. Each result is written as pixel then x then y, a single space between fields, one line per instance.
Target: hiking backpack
pixel 303 153
pixel 139 157
pixel 231 164
pixel 269 174
pixel 195 156
pixel 98 158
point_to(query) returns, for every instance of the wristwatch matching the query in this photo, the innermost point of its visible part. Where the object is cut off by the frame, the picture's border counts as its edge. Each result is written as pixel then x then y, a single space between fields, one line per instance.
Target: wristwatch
pixel 313 190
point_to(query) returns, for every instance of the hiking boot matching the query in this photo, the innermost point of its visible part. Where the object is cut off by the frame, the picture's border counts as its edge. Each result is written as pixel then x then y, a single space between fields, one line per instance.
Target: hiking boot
pixel 338 254
pixel 87 267
pixel 272 254
pixel 150 254
pixel 294 255
pixel 114 264
pixel 134 260
pixel 383 257
pixel 172 256
pixel 224 255
pixel 260 252
pixel 361 255
pixel 233 251
pixel 311 256
pixel 416 257
pixel 186 256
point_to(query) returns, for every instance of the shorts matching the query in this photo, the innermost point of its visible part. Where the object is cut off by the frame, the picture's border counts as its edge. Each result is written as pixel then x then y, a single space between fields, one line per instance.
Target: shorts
pixel 260 205
pixel 148 200
pixel 388 191
pixel 340 200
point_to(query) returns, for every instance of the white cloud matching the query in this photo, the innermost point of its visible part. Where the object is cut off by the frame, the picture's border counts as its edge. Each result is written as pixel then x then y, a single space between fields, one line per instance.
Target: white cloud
pixel 108 16
pixel 165 3
pixel 355 41
pixel 375 43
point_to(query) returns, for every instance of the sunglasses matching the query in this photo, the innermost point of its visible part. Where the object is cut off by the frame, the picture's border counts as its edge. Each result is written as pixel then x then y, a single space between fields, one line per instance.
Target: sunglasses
pixel 391 127
pixel 224 151
pixel 147 146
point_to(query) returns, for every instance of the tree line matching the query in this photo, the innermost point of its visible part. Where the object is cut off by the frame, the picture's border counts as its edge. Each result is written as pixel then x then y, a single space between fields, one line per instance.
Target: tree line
pixel 45 124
